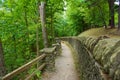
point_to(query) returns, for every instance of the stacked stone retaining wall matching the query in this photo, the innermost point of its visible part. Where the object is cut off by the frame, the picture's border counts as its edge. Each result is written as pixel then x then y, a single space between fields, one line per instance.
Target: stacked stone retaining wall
pixel 99 58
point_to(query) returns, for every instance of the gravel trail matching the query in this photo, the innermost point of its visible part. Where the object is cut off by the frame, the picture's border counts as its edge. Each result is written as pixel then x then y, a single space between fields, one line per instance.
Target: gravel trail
pixel 65 67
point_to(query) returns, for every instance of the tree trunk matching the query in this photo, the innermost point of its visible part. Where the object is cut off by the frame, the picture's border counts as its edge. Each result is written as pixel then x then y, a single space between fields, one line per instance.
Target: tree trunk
pixel 44 32
pixel 102 16
pixel 26 24
pixel 2 67
pixel 109 3
pixel 111 13
pixel 37 43
pixel 119 17
pixel 52 29
pixel 27 31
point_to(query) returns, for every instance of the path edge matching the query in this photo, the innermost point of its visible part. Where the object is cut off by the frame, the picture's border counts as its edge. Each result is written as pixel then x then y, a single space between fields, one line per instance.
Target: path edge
pixel 75 58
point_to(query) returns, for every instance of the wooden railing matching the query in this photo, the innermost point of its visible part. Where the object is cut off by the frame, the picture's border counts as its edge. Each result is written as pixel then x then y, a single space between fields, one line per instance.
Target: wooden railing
pixel 48 53
pixel 9 76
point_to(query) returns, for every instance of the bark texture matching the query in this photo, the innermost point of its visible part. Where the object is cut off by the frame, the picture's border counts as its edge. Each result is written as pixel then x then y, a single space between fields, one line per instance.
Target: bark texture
pixel 119 17
pixel 111 13
pixel 2 67
pixel 42 16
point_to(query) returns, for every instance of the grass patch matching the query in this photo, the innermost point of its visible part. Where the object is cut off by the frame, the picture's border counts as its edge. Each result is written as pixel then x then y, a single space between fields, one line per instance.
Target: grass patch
pixel 96 32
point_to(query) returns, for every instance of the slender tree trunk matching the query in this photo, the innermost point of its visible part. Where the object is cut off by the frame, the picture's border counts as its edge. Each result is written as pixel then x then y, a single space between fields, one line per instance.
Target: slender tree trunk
pixel 52 29
pixel 119 17
pixel 37 43
pixel 109 4
pixel 27 31
pixel 102 16
pixel 37 40
pixel 44 32
pixel 15 51
pixel 111 13
pixel 26 22
pixel 2 67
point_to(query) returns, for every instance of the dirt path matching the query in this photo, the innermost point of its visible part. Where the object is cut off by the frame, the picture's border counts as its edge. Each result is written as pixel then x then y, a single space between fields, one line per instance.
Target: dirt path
pixel 65 68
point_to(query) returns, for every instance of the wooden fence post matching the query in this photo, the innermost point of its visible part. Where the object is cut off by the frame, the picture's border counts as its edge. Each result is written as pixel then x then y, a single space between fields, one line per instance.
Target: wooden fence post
pixel 50 58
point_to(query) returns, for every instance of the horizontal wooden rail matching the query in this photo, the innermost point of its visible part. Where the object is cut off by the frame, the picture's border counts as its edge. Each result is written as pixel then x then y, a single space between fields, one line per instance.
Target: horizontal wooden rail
pixel 23 68
pixel 34 73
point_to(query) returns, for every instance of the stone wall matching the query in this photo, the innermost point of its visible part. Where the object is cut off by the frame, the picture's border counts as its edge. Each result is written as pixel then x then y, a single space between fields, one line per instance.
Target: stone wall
pixel 51 54
pixel 98 57
pixel 87 68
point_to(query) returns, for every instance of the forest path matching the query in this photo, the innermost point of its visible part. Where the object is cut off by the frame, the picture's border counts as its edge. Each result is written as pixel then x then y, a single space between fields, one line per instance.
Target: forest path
pixel 65 67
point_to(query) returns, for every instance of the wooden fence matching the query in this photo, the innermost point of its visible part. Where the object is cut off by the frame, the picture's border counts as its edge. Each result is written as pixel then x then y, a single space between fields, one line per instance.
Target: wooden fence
pixel 25 67
pixel 48 54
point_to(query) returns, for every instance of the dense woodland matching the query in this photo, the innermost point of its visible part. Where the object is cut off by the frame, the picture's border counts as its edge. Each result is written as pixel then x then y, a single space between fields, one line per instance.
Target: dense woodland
pixel 21 31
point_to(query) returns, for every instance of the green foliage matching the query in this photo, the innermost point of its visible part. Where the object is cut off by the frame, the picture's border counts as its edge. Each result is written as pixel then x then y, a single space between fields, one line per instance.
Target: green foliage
pixel 20 18
pixel 53 8
pixel 75 16
pixel 96 13
pixel 18 22
pixel 19 36
pixel 84 14
pixel 37 73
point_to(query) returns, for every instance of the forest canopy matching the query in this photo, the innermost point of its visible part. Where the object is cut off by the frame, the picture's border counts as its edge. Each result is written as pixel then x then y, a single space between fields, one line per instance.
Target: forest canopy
pixel 20 22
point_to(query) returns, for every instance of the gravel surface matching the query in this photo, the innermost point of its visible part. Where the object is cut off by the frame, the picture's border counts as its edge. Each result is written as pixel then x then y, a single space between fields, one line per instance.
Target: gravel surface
pixel 65 67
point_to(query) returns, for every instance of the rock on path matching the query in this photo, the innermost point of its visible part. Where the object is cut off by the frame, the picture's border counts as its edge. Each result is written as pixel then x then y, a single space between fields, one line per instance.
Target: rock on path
pixel 65 67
